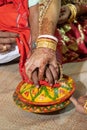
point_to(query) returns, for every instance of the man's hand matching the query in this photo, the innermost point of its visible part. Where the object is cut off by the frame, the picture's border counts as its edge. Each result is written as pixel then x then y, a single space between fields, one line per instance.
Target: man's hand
pixel 64 14
pixel 7 39
pixel 38 61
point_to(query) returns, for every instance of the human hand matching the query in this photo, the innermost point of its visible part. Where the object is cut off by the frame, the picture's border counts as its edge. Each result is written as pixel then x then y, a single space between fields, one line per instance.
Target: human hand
pixel 5 47
pixel 39 60
pixel 7 39
pixel 80 104
pixel 64 14
pixel 50 75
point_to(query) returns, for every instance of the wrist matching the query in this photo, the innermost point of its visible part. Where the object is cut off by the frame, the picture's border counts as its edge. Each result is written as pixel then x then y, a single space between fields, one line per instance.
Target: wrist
pixel 78 9
pixel 81 9
pixel 33 45
pixel 47 41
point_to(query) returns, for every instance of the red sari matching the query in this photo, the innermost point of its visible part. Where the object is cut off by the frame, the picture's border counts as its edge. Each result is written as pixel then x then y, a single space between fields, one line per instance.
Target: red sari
pixel 73 39
pixel 14 18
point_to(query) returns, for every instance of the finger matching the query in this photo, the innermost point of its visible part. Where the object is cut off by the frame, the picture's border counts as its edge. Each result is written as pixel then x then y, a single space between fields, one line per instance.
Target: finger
pixel 82 99
pixel 54 73
pixel 8 34
pixel 35 78
pixel 7 40
pixel 49 76
pixel 4 48
pixel 62 10
pixel 8 46
pixel 73 100
pixel 62 16
pixel 30 70
pixel 57 67
pixel 54 63
pixel 41 72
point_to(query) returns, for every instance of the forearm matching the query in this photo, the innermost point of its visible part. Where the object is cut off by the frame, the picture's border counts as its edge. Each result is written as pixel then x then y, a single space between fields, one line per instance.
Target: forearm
pixel 50 19
pixel 81 9
pixel 34 22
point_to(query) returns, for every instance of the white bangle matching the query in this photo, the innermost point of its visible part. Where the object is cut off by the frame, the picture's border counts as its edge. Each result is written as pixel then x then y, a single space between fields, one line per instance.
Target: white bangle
pixel 48 36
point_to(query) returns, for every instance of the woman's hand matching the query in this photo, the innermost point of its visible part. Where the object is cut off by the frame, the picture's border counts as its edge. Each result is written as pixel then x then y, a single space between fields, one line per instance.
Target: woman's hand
pixel 80 104
pixel 42 62
pixel 50 75
pixel 7 39
pixel 64 14
pixel 40 59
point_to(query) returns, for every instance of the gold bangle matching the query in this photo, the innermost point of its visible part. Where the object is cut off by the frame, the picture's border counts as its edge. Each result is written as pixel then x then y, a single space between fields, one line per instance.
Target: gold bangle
pixel 73 10
pixel 46 40
pixel 85 106
pixel 46 44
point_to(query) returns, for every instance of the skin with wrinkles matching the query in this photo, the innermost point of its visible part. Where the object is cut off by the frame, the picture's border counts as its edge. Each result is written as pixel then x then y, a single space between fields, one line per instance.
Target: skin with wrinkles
pixel 42 63
pixel 48 58
pixel 64 15
pixel 7 39
pixel 65 12
pixel 43 58
pixel 79 104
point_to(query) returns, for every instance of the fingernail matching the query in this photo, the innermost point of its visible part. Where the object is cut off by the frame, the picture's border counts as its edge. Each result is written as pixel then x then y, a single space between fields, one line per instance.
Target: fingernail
pixel 46 80
pixel 55 81
pixel 37 86
pixel 51 85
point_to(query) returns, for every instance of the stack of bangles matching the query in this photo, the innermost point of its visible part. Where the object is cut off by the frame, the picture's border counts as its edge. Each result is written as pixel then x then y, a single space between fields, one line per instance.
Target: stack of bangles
pixel 47 41
pixel 73 11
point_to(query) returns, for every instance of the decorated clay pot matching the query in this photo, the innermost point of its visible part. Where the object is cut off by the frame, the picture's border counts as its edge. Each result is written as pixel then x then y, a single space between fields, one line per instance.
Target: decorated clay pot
pixel 45 98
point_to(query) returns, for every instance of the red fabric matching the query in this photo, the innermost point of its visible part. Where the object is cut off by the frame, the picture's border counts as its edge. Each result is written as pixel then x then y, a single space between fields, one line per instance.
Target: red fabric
pixel 3 2
pixel 75 48
pixel 14 18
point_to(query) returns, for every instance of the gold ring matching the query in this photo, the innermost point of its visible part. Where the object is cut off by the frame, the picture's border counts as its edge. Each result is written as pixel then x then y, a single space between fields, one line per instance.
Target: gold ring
pixel 85 106
pixel 4 48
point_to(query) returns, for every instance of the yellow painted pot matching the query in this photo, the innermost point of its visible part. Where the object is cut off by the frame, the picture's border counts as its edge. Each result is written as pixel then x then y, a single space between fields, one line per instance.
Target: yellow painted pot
pixel 45 98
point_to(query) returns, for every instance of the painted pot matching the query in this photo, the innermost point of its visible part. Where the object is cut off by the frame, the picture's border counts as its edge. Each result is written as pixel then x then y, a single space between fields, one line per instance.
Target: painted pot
pixel 46 98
